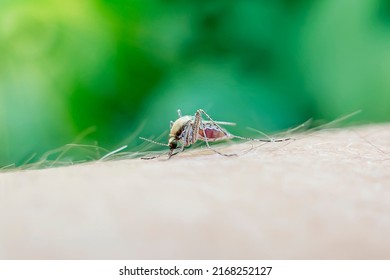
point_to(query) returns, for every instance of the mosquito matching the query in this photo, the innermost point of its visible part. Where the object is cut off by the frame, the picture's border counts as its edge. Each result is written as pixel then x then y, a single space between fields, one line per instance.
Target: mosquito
pixel 187 130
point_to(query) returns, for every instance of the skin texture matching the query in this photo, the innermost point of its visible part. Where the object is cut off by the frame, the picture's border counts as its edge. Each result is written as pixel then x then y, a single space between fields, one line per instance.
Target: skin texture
pixel 323 196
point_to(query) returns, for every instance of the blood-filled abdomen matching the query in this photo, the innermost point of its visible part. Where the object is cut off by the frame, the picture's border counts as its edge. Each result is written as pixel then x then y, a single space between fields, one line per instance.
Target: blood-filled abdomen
pixel 212 134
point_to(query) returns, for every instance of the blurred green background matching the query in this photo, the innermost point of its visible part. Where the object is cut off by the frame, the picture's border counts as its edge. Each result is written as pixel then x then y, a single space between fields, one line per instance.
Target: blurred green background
pixel 120 69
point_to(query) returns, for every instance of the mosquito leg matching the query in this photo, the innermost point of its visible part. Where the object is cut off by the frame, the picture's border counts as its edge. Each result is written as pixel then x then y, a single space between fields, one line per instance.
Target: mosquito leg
pixel 271 140
pixel 196 125
pixel 149 158
pixel 179 113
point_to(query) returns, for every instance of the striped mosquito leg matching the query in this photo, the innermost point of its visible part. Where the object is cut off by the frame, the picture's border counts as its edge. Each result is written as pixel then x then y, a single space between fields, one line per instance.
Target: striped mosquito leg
pixel 196 125
pixel 270 140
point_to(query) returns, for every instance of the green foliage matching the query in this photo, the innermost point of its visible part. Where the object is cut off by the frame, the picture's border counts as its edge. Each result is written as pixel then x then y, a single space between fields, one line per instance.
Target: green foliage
pixel 125 67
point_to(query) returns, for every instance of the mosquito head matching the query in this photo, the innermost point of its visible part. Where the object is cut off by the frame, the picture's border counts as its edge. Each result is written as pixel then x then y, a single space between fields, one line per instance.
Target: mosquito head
pixel 177 131
pixel 172 143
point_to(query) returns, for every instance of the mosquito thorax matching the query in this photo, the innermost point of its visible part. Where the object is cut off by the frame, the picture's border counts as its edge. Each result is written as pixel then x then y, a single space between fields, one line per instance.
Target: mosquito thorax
pixel 178 126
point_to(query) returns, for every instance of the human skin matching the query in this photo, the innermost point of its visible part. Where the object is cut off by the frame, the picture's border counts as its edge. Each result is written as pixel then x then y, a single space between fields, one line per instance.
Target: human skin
pixel 325 195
